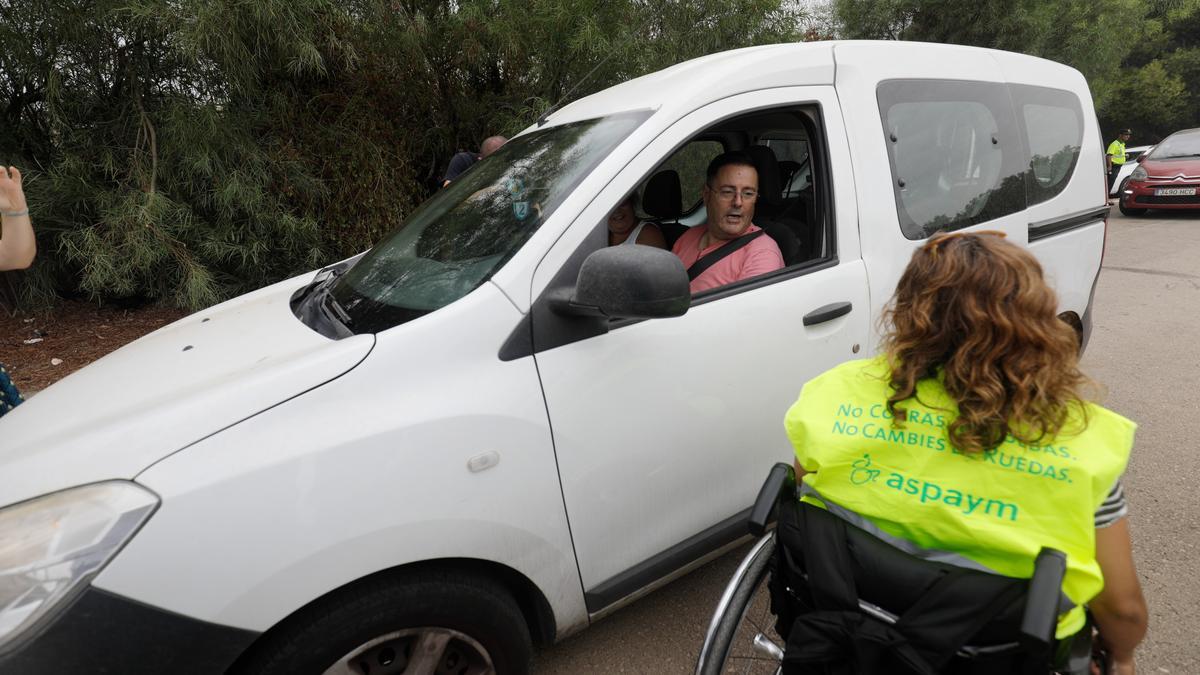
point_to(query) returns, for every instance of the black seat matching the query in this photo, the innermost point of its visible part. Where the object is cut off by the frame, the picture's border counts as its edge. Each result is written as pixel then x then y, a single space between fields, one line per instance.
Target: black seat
pixel 768 209
pixel 663 202
pixel 847 601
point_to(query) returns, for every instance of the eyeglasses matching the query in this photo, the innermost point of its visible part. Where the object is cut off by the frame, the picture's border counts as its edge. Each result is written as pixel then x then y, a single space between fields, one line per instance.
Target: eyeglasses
pixel 726 194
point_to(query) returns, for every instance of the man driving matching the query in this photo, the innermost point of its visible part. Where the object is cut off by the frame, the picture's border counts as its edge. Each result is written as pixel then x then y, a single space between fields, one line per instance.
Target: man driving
pixel 729 247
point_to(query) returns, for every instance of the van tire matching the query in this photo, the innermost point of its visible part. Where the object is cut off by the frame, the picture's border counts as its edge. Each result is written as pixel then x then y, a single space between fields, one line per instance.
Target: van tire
pixel 473 614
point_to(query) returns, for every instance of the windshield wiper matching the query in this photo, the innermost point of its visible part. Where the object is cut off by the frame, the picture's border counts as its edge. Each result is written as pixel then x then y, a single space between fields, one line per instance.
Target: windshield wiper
pixel 327 300
pixel 316 307
pixel 326 277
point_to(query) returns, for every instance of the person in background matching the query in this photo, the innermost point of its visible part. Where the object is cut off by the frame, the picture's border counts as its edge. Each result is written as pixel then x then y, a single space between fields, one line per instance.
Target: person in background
pixel 624 228
pixel 462 161
pixel 17 249
pixel 1115 157
pixel 976 397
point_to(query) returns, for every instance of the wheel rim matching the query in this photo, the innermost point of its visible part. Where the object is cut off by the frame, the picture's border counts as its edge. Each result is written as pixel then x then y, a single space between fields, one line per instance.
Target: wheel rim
pixel 755 647
pixel 417 651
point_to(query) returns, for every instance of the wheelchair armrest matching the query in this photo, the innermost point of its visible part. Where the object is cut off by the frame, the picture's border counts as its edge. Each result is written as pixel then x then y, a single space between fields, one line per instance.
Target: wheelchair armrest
pixel 1042 601
pixel 780 484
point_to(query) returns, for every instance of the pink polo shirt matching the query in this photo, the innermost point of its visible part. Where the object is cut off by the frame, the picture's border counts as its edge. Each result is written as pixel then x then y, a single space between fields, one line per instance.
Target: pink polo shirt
pixel 758 257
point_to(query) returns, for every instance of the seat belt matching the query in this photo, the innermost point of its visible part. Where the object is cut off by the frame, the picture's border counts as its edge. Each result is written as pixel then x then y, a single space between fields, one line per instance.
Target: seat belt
pixel 713 257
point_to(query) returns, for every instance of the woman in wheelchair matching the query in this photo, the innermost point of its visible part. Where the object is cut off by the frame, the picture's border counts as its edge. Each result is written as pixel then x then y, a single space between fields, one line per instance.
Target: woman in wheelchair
pixel 960 507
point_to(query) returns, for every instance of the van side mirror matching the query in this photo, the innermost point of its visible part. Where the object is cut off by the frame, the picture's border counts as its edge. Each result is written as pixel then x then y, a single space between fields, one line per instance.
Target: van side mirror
pixel 628 282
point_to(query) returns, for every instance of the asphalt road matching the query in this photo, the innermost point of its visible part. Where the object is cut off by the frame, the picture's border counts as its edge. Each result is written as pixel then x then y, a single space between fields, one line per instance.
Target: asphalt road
pixel 1145 351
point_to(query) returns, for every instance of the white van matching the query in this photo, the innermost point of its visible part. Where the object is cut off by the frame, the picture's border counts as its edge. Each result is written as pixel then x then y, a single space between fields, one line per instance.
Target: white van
pixel 492 429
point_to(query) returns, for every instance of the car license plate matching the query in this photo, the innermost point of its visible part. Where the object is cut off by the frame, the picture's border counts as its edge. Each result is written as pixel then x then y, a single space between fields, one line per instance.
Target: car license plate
pixel 1171 192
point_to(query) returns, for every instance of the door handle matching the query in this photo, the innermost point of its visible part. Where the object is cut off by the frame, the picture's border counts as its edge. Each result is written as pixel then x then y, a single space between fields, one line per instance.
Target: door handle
pixel 827 313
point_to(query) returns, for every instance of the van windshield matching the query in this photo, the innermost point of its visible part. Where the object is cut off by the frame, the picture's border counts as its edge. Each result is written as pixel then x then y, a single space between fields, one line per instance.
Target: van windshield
pixel 461 236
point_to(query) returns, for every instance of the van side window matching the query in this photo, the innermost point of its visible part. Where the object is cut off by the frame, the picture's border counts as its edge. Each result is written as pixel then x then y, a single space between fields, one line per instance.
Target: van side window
pixel 956 157
pixel 789 206
pixel 1052 125
pixel 784 145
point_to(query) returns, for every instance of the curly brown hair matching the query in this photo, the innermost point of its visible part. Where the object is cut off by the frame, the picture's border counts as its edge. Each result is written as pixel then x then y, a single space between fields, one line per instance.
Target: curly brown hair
pixel 977 308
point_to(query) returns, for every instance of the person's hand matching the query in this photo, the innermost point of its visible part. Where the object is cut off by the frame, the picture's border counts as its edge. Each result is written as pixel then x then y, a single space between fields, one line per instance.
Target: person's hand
pixel 12 195
pixel 18 246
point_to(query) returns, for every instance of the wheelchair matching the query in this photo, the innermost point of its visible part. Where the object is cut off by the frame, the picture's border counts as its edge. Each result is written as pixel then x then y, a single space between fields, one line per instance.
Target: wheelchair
pixel 819 595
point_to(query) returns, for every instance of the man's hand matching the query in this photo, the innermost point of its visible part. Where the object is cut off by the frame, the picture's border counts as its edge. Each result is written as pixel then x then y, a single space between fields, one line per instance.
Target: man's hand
pixel 12 195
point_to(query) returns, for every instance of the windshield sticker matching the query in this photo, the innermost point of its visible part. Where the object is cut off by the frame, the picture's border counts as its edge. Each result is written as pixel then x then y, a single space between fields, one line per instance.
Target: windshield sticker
pixel 516 192
pixel 520 210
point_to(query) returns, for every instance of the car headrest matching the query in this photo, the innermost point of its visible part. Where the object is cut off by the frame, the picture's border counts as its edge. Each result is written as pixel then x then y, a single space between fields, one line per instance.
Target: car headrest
pixel 769 186
pixel 663 197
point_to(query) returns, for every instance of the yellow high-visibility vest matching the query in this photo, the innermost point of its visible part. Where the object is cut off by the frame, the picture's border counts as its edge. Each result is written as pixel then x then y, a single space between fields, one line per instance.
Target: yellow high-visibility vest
pixel 1117 150
pixel 995 510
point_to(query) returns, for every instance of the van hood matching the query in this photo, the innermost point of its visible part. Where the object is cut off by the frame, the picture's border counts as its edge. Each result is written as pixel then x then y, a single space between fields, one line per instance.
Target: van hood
pixel 171 388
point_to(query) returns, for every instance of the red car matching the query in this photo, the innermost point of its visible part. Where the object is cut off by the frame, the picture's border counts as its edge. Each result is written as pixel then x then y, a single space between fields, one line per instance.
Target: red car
pixel 1167 177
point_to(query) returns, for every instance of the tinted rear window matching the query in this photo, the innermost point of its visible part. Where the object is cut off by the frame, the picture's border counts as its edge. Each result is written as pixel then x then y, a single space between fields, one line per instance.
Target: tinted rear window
pixel 1052 124
pixel 956 153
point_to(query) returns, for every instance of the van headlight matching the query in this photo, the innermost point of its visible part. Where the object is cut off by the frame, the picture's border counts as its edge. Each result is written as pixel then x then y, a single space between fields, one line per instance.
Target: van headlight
pixel 1138 174
pixel 51 546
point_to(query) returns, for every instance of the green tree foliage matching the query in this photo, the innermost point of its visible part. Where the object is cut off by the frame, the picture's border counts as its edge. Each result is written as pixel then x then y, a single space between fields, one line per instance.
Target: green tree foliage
pixel 1184 63
pixel 1157 89
pixel 142 126
pixel 186 151
pixel 1091 35
pixel 1142 59
pixel 1152 100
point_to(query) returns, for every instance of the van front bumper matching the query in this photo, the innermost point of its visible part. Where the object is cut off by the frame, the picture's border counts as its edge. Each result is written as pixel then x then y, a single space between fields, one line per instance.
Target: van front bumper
pixel 106 633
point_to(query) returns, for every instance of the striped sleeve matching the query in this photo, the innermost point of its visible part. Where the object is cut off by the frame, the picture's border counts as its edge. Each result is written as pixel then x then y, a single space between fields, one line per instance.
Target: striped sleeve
pixel 1114 507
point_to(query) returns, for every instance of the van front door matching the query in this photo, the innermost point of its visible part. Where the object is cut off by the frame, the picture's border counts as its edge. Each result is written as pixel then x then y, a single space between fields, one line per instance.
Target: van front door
pixel 664 429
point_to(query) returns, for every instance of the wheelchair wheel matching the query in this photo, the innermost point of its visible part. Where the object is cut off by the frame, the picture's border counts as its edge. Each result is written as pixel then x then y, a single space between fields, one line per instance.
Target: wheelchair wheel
pixel 741 637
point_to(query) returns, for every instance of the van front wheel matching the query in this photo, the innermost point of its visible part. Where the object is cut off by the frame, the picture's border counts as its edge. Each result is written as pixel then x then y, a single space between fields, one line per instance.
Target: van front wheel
pixel 436 623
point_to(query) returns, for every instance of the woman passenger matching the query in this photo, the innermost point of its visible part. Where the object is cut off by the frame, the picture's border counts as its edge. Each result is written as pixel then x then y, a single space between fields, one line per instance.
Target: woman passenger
pixel 623 226
pixel 970 434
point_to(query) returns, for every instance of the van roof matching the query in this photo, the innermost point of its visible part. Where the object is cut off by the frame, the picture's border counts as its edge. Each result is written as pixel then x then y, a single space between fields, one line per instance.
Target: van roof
pixel 693 83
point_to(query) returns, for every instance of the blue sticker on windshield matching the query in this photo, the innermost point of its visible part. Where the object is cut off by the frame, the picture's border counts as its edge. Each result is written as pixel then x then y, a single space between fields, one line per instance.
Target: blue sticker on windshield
pixel 520 210
pixel 516 192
